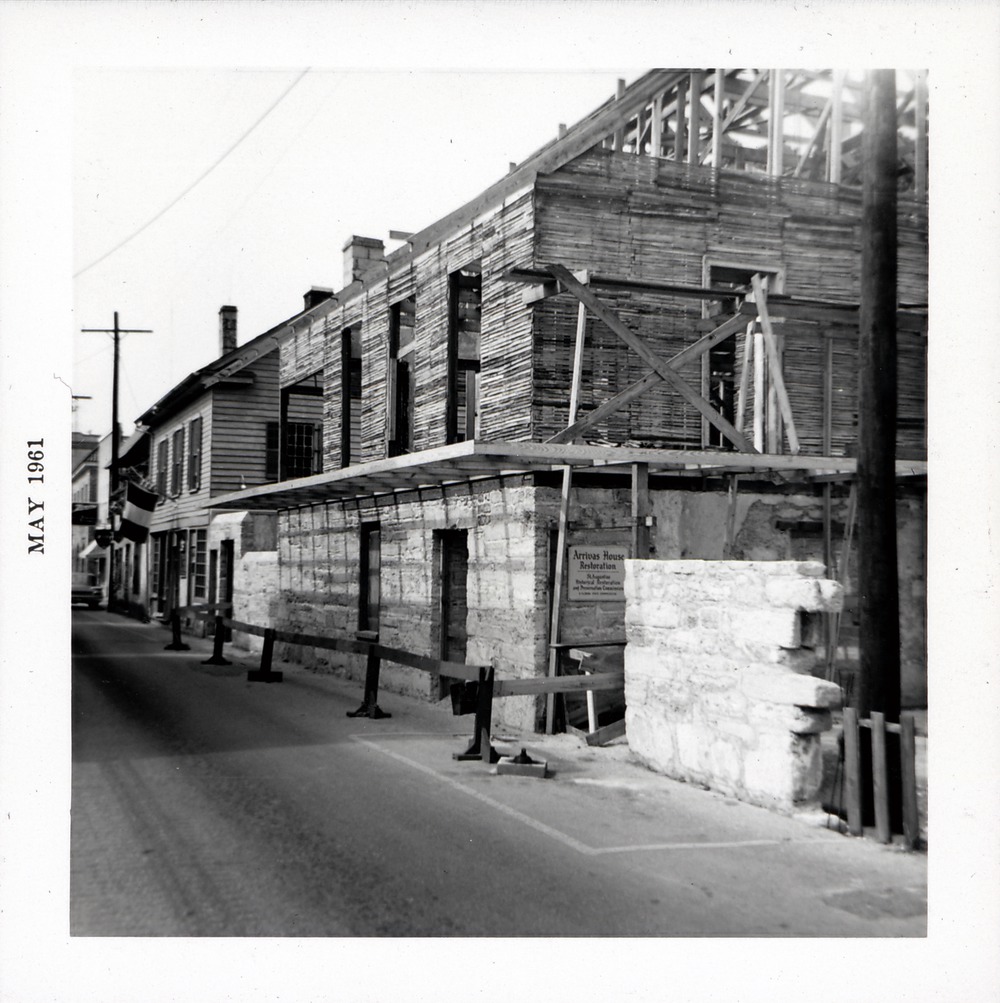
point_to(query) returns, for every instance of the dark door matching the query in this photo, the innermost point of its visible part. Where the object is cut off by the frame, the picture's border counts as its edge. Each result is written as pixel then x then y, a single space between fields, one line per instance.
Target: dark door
pixel 454 598
pixel 226 561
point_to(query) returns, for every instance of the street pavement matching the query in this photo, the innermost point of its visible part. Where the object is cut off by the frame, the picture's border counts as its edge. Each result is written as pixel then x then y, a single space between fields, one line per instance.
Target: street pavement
pixel 207 805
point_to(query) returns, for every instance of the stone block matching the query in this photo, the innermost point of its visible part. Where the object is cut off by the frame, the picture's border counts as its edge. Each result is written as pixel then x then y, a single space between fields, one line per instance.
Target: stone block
pixel 774 684
pixel 767 627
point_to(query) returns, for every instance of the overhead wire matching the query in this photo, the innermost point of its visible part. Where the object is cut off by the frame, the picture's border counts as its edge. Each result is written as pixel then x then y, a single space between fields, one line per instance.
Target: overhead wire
pixel 197 180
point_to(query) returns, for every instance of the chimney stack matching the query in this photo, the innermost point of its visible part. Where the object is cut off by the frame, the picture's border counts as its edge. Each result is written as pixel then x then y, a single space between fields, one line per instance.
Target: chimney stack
pixel 316 295
pixel 360 254
pixel 227 329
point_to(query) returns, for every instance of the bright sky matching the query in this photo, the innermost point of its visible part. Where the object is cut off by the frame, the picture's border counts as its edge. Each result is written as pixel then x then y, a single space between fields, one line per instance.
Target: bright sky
pixel 324 155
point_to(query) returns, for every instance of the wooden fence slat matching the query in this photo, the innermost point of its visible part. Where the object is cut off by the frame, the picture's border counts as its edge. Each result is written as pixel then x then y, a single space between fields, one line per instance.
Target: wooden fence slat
pixel 908 754
pixel 852 772
pixel 880 778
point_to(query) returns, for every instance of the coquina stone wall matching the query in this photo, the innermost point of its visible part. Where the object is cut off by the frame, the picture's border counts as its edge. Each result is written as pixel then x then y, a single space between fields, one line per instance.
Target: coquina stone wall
pixel 717 680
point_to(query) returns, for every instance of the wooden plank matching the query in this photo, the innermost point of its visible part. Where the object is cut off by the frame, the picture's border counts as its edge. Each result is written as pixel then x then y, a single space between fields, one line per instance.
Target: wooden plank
pixel 880 778
pixel 641 510
pixel 720 90
pixel 908 762
pixel 679 132
pixel 607 734
pixel 811 145
pixel 651 358
pixel 656 127
pixel 776 125
pixel 852 772
pixel 777 379
pixel 558 684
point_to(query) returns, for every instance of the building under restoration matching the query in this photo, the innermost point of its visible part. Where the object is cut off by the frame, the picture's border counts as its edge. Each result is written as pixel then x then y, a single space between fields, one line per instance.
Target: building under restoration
pixel 640 342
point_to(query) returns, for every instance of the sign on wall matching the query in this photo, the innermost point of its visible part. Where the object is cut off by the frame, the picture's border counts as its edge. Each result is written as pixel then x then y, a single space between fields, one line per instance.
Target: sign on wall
pixel 596 572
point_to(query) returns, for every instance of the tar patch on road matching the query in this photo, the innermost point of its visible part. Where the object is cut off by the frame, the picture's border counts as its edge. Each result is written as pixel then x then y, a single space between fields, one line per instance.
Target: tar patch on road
pixel 899 903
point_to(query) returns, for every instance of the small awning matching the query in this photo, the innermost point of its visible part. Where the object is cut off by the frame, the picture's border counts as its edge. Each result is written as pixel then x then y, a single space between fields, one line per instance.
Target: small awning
pixel 467 461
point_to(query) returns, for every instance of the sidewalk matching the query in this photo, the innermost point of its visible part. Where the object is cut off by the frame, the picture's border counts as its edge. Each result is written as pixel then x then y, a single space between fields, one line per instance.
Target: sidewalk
pixel 568 755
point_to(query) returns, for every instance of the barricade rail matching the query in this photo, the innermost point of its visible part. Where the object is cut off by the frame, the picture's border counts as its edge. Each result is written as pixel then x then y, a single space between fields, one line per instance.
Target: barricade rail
pixel 476 690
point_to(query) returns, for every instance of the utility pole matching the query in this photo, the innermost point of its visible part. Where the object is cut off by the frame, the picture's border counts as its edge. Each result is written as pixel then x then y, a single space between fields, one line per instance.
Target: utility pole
pixel 878 582
pixel 116 332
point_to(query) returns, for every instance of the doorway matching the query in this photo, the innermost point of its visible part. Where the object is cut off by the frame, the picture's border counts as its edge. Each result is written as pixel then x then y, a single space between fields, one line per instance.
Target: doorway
pixel 454 613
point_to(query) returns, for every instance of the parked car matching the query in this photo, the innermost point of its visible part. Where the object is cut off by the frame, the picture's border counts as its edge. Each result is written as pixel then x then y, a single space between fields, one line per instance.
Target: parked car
pixel 85 591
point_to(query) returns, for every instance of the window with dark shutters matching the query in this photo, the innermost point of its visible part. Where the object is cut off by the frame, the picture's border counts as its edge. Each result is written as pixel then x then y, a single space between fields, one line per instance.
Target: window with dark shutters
pixel 194 454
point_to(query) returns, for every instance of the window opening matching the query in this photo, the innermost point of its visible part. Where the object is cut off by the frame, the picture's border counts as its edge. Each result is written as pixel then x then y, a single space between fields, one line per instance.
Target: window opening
pixel 402 358
pixel 177 461
pixel 465 297
pixel 350 396
pixel 301 438
pixel 198 579
pixel 370 567
pixel 194 454
pixel 721 365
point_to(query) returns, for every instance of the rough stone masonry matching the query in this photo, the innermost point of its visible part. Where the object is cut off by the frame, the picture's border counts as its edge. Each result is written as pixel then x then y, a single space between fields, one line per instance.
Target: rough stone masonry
pixel 717 679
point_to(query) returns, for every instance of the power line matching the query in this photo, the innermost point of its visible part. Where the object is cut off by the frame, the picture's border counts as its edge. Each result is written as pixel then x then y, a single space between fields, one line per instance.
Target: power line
pixel 197 181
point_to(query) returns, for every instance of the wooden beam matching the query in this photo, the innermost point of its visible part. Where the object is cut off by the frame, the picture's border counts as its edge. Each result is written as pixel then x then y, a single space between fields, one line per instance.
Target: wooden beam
pixel 657 364
pixel 694 126
pixel 630 393
pixel 741 400
pixel 776 125
pixel 811 145
pixel 774 363
pixel 640 511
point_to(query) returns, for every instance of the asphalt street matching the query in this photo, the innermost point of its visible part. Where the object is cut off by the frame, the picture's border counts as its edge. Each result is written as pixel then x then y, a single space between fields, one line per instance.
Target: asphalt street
pixel 207 805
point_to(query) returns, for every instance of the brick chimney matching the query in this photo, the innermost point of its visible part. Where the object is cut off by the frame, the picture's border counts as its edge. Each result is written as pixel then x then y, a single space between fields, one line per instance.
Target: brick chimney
pixel 227 329
pixel 360 254
pixel 315 296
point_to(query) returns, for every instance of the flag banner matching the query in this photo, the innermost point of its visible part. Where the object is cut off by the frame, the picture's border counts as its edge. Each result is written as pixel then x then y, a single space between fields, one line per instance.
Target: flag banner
pixel 138 513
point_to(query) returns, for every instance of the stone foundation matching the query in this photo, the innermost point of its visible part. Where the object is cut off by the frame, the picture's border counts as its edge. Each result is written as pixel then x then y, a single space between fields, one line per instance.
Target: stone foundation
pixel 717 675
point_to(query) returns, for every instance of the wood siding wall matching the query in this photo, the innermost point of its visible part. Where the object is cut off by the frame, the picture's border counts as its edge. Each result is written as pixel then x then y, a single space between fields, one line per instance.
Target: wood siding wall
pixel 239 421
pixel 500 240
pixel 186 507
pixel 646 218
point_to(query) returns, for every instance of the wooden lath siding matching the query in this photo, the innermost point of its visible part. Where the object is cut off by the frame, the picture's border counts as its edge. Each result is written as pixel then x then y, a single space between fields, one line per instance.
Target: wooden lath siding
pixel 500 240
pixel 645 218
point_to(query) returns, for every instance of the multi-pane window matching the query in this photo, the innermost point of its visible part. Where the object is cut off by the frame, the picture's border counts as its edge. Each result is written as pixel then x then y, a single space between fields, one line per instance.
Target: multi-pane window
pixel 194 454
pixel 198 551
pixel 402 358
pixel 370 584
pixel 161 467
pixel 177 461
pixel 465 299
pixel 303 448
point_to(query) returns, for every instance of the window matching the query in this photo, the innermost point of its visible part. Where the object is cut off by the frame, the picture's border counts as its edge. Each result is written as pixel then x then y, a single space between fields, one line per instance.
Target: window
pixel 198 578
pixel 177 461
pixel 194 454
pixel 350 396
pixel 303 449
pixel 723 364
pixel 271 440
pixel 402 321
pixel 370 565
pixel 161 468
pixel 465 295
pixel 159 564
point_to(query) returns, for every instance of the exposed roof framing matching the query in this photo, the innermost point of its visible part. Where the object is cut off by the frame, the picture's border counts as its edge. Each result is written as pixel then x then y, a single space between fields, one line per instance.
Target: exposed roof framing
pixel 465 461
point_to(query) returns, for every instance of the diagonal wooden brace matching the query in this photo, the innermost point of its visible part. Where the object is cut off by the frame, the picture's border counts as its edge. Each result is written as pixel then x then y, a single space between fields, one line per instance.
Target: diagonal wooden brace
pixel 662 368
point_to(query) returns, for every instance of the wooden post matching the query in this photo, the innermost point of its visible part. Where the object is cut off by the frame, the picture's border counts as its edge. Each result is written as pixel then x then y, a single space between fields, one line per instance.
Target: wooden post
pixel 720 95
pixel 567 483
pixel 776 125
pixel 694 129
pixel 656 127
pixel 880 778
pixel 640 511
pixel 908 757
pixel 852 772
pixel 836 127
pixel 679 132
pixel 920 151
pixel 878 588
